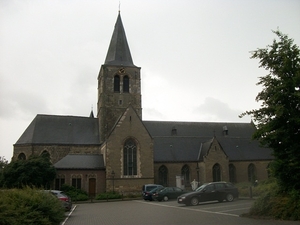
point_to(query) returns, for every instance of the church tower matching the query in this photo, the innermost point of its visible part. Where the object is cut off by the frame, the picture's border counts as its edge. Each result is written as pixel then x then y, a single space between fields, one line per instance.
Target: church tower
pixel 119 82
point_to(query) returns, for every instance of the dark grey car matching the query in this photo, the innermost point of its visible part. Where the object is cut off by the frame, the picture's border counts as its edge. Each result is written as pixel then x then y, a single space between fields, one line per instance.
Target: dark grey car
pixel 218 191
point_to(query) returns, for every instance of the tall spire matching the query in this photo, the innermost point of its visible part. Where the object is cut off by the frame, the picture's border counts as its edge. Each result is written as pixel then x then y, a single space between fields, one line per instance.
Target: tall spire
pixel 118 51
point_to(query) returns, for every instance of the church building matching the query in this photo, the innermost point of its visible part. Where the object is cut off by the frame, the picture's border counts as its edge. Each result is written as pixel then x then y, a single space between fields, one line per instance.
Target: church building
pixel 119 151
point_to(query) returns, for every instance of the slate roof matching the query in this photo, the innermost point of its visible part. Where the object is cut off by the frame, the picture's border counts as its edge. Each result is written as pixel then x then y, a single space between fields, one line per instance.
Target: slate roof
pixel 118 52
pixel 191 140
pixel 52 129
pixel 81 161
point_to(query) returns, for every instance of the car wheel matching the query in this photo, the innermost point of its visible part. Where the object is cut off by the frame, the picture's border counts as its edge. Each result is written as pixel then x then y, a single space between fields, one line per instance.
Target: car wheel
pixel 229 197
pixel 166 198
pixel 194 201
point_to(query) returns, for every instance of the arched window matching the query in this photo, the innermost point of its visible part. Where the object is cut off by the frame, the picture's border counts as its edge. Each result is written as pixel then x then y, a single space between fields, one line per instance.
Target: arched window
pixel 45 154
pixel 126 84
pixel 22 156
pixel 251 173
pixel 185 172
pixel 130 158
pixel 216 172
pixel 116 83
pixel 163 175
pixel 232 173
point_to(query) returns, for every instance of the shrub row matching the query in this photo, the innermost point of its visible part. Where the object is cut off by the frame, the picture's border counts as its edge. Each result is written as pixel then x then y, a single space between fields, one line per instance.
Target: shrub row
pixel 273 203
pixel 108 195
pixel 74 193
pixel 29 206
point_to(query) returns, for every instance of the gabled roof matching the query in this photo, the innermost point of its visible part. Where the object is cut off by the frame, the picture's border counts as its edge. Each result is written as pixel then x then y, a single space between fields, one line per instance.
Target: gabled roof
pixel 52 129
pixel 81 161
pixel 118 51
pixel 190 141
pixel 176 149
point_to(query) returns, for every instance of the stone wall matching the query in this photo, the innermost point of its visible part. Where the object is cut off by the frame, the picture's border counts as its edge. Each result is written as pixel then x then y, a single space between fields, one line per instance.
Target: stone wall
pixel 129 126
pixel 84 175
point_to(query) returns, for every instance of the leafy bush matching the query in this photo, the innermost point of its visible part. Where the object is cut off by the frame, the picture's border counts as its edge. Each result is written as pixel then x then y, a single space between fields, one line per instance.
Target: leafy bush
pixel 29 206
pixel 108 195
pixel 74 193
pixel 261 188
pixel 273 203
pixel 37 171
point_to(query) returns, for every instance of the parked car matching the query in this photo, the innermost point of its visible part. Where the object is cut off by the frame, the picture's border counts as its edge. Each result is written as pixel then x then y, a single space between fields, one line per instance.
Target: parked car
pixel 148 195
pixel 219 191
pixel 168 193
pixel 65 199
pixel 147 188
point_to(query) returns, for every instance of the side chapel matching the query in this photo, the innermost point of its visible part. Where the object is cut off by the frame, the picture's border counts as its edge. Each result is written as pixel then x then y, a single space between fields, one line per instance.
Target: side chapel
pixel 119 151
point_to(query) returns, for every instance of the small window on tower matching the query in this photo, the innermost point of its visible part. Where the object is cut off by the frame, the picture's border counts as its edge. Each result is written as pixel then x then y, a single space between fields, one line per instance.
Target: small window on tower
pixel 116 83
pixel 174 131
pixel 126 84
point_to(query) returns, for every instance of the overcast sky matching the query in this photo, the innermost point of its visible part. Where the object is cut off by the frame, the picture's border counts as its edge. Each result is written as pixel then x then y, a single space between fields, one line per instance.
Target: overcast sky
pixel 195 56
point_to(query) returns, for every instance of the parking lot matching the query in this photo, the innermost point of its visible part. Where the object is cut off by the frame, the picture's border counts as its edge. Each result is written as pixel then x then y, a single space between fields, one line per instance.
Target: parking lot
pixel 162 213
pixel 235 208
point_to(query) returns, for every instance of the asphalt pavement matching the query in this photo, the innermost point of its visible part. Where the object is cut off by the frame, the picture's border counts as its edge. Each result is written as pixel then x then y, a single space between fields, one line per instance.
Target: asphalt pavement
pixel 163 213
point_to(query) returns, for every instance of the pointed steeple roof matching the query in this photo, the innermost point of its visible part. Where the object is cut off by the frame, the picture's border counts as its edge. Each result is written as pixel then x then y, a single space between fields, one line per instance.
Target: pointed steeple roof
pixel 118 51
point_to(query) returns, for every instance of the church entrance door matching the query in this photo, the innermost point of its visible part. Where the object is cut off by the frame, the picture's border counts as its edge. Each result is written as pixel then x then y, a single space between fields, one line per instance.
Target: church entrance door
pixel 92 187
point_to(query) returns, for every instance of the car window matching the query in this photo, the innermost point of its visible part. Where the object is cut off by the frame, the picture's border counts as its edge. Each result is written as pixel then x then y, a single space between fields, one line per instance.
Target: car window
pixel 177 189
pixel 209 188
pixel 169 189
pixel 201 187
pixel 220 186
pixel 164 189
pixel 149 188
pixel 230 185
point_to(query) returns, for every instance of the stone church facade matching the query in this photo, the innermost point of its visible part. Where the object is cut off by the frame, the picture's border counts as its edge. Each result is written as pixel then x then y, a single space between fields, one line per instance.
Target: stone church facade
pixel 119 151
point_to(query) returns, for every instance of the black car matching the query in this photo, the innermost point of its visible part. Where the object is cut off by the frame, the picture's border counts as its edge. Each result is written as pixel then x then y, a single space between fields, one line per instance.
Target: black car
pixel 219 191
pixel 146 190
pixel 168 193
pixel 148 195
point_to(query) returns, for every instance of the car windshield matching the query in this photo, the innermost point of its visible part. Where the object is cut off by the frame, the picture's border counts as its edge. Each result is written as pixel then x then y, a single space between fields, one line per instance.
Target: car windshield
pixel 163 189
pixel 156 189
pixel 201 187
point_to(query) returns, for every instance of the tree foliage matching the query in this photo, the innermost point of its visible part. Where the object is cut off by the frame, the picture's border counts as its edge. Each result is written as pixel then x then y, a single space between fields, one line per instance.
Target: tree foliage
pixel 3 162
pixel 278 119
pixel 37 171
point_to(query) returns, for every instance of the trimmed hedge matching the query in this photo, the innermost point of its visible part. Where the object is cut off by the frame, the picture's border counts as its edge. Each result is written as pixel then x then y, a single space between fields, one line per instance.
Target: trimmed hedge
pixel 74 193
pixel 108 195
pixel 29 206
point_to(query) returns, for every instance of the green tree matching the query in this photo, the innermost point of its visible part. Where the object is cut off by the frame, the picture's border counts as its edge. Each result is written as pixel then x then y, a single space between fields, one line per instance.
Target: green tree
pixel 278 119
pixel 37 171
pixel 3 163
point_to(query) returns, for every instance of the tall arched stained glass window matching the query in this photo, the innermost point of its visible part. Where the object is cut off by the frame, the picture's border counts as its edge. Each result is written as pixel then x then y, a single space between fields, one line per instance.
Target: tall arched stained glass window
pixel 130 158
pixel 163 175
pixel 216 172
pixel 232 173
pixel 185 172
pixel 251 173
